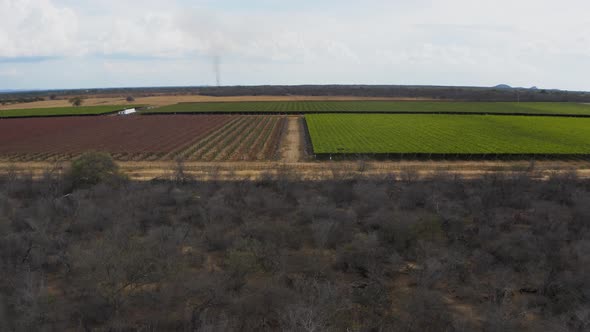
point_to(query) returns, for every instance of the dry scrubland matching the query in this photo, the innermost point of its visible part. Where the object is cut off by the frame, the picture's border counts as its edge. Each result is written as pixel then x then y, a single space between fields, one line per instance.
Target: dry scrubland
pixel 231 240
pixel 388 254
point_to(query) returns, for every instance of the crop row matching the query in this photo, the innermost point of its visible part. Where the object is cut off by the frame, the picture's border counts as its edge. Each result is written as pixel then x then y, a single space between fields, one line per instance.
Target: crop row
pixel 126 138
pixel 137 138
pixel 378 107
pixel 447 134
pixel 248 138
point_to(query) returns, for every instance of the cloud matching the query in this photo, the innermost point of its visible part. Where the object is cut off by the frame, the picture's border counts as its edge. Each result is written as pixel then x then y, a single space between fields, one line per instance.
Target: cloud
pixel 378 41
pixel 36 28
pixel 9 72
pixel 26 59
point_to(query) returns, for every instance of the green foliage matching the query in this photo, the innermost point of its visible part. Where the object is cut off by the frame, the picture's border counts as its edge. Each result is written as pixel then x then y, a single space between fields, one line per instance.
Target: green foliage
pixel 61 111
pixel 245 258
pixel 428 228
pixel 93 168
pixel 76 101
pixel 378 106
pixel 447 134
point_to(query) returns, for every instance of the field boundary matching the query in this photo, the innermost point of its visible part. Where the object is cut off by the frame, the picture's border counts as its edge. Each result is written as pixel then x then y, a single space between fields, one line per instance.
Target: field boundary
pixel 366 112
pixel 307 143
pixel 57 115
pixel 60 115
pixel 319 171
pixel 450 156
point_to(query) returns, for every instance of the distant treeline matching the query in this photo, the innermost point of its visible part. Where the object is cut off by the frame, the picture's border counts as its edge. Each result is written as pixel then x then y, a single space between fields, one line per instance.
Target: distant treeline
pixel 390 91
pixel 15 99
pixel 399 91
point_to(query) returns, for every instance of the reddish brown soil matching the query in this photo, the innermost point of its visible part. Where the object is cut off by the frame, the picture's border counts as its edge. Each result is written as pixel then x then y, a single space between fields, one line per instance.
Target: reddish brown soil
pixel 249 138
pixel 45 138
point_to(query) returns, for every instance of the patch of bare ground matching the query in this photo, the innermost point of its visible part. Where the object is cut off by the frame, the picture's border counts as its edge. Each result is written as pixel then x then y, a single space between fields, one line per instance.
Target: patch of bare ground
pixel 292 144
pixel 65 103
pixel 316 171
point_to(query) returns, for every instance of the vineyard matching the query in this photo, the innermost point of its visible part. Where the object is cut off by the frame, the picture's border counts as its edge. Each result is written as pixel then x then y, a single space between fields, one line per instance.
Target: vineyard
pixel 150 138
pixel 571 109
pixel 217 136
pixel 62 111
pixel 448 134
pixel 246 138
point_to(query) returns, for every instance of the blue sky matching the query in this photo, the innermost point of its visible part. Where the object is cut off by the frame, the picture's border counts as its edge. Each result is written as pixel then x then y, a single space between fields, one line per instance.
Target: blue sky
pixel 82 44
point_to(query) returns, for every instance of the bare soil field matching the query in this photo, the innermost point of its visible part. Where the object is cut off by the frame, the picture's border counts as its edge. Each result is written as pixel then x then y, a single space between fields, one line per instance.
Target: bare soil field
pixel 132 138
pixel 292 144
pixel 147 138
pixel 171 100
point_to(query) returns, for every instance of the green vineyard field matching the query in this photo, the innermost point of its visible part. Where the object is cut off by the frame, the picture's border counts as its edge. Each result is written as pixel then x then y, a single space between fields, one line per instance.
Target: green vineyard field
pixel 447 134
pixel 378 107
pixel 62 111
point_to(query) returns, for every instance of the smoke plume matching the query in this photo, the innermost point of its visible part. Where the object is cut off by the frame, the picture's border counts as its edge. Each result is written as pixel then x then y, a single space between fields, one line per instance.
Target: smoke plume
pixel 217 69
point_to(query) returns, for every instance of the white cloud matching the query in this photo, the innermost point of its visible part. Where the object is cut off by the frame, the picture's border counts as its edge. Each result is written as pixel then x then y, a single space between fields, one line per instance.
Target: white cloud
pixel 36 28
pixel 9 72
pixel 536 42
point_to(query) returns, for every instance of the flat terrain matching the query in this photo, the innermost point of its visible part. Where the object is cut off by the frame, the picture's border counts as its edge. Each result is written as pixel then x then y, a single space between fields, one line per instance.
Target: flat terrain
pixel 211 138
pixel 292 144
pixel 447 134
pixel 62 111
pixel 368 106
pixel 130 137
pixel 237 136
pixel 318 171
pixel 165 100
pixel 244 138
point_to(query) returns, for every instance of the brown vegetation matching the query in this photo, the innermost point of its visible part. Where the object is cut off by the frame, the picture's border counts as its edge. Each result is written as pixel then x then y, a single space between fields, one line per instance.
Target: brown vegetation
pixel 388 254
pixel 318 171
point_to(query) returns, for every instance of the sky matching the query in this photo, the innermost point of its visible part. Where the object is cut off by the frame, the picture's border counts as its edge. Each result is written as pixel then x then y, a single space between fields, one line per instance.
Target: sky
pixel 54 44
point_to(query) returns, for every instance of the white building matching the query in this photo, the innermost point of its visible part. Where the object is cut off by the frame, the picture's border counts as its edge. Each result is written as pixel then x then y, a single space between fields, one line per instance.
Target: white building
pixel 128 111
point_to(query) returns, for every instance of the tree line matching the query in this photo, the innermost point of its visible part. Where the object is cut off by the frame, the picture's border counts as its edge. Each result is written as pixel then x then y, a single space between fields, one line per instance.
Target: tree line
pixel 384 91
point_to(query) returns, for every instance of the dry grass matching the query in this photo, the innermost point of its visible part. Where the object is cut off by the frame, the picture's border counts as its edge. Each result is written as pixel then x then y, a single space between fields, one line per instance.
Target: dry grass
pixel 145 170
pixel 65 103
pixel 171 100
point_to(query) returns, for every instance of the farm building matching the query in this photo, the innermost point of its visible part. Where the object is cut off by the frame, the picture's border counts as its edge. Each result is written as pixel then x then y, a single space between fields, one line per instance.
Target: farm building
pixel 128 111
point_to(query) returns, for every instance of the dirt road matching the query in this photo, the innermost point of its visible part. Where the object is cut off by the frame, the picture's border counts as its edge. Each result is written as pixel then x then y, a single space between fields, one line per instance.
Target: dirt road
pixel 292 145
pixel 145 171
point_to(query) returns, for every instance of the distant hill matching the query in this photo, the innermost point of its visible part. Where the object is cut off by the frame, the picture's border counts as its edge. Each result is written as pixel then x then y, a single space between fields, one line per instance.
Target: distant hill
pixel 13 90
pixel 507 87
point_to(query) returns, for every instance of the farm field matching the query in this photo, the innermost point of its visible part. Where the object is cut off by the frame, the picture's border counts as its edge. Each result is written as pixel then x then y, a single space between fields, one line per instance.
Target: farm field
pixel 378 106
pixel 140 138
pixel 62 111
pixel 447 134
pixel 167 100
pixel 244 138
